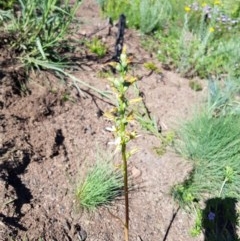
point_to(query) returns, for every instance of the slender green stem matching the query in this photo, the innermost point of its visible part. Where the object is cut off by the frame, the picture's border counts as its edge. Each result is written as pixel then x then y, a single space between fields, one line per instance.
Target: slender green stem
pixel 223 184
pixel 125 170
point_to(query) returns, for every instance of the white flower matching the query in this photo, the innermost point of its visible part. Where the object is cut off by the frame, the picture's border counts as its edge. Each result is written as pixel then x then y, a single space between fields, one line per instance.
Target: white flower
pixel 116 142
pixel 111 129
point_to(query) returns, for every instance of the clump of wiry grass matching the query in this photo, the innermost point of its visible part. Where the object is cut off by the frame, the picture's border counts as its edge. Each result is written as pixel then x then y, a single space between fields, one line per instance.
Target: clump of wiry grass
pixel 206 138
pixel 102 184
pixel 40 28
pixel 144 15
pixel 39 33
pixel 213 144
pixel 211 140
pixel 222 98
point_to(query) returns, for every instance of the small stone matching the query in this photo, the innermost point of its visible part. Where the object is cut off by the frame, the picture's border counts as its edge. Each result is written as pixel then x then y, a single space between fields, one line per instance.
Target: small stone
pixel 26 208
pixel 80 233
pixel 136 172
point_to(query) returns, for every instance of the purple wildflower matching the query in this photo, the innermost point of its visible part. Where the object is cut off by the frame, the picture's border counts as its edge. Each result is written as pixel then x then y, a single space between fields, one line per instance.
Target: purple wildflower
pixel 211 216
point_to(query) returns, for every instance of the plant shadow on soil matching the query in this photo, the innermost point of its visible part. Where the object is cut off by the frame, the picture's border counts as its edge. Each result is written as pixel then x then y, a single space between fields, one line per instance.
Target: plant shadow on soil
pixel 220 220
pixel 10 172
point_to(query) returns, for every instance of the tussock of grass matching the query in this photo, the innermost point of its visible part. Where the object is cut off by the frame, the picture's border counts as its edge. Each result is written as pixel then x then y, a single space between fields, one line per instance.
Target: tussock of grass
pixel 42 28
pixel 140 14
pixel 102 185
pixel 223 98
pixel 213 144
pixel 209 138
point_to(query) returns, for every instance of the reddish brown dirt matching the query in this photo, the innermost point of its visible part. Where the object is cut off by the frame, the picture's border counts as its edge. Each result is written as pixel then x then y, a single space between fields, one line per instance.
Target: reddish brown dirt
pixel 46 143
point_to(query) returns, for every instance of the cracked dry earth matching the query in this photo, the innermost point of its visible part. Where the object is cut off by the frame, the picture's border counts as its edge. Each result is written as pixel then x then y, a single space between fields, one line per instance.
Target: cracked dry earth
pixel 46 143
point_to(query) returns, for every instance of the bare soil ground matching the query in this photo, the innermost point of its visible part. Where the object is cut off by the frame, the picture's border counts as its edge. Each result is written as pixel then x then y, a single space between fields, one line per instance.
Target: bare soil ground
pixel 47 142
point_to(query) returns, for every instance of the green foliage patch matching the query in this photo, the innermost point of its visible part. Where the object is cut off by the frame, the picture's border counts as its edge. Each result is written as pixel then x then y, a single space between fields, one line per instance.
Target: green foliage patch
pixel 36 32
pixel 97 47
pixel 203 40
pixel 146 15
pixel 102 184
pixel 41 29
pixel 195 37
pixel 6 4
pixel 211 141
pixel 213 144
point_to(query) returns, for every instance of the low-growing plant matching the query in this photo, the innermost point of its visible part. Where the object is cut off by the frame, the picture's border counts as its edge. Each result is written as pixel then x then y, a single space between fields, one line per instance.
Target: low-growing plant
pixel 41 29
pixel 152 67
pixel 215 14
pixel 221 58
pixel 5 15
pixel 197 229
pixel 195 37
pixel 195 85
pixel 149 124
pixel 144 15
pixel 6 4
pixel 38 36
pixel 194 45
pixel 193 49
pixel 216 36
pixel 202 41
pixel 211 142
pixel 104 73
pixel 149 43
pixel 66 97
pixel 231 51
pixel 222 98
pixel 102 184
pixel 153 14
pixel 97 47
pixel 168 50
